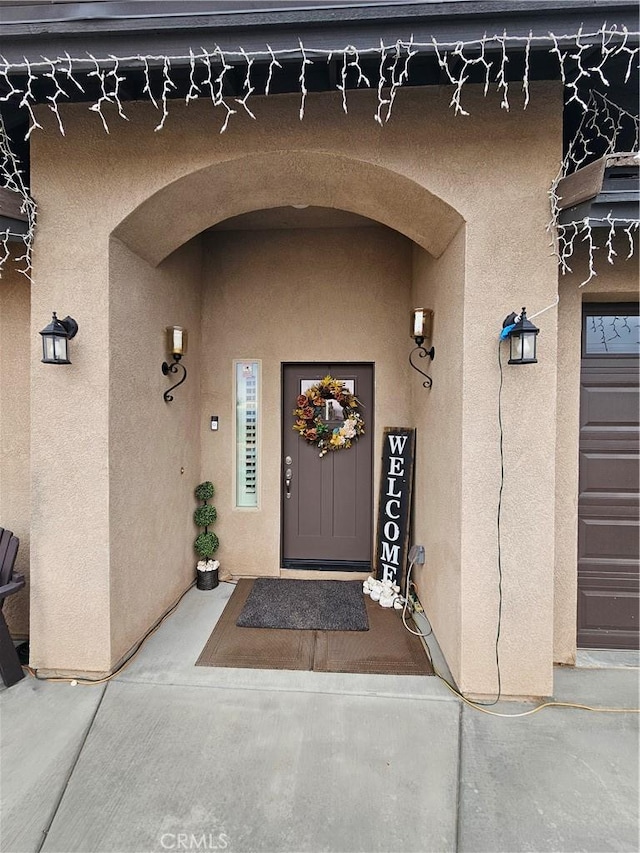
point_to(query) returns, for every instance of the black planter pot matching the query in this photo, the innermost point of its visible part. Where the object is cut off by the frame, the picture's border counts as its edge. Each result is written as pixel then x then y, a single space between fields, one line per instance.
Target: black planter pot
pixel 207 580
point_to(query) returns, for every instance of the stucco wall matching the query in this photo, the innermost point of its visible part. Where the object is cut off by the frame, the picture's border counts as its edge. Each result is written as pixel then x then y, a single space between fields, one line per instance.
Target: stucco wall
pixel 15 506
pixel 70 560
pixel 438 284
pixel 422 174
pixel 154 459
pixel 509 265
pixel 302 295
pixel 617 282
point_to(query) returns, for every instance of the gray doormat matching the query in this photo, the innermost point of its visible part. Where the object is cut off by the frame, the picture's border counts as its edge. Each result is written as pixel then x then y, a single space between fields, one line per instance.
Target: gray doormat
pixel 305 605
pixel 385 649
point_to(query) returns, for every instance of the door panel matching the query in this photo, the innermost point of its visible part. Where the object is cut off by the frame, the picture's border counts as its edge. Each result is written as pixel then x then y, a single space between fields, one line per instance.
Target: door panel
pixel 608 501
pixel 327 509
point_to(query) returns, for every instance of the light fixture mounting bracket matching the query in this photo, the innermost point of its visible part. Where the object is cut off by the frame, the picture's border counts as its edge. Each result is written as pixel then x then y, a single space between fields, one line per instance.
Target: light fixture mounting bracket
pixel 173 368
pixel 422 353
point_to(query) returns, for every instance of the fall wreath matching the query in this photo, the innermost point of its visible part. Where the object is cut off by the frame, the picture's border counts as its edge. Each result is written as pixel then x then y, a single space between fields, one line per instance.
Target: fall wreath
pixel 326 401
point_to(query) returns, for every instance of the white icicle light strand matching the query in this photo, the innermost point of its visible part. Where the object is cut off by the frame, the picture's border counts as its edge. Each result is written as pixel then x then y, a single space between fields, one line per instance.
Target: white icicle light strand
pixel 455 59
pixel 602 123
pixel 12 180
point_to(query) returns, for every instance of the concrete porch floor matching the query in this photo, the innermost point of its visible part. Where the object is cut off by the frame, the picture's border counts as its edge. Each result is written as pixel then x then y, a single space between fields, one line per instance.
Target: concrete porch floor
pixel 169 756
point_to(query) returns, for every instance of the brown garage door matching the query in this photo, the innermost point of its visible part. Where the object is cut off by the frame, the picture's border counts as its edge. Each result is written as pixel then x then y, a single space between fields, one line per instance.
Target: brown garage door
pixel 608 504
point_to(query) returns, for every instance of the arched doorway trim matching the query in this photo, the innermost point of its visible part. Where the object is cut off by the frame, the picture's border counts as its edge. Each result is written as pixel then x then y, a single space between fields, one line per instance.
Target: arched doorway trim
pixel 201 199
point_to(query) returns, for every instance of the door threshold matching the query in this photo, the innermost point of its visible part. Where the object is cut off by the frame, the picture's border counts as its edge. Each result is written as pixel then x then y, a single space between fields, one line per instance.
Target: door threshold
pixel 315 575
pixel 297 574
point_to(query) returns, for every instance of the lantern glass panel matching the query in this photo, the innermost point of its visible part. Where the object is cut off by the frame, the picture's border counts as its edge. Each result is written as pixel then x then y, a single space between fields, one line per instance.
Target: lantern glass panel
pixel 417 323
pixel 515 342
pixel 48 351
pixel 528 346
pixel 523 347
pixel 176 340
pixel 60 348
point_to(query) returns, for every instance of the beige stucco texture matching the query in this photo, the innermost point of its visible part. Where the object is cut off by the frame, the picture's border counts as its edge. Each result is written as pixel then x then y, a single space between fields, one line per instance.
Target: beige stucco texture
pixel 154 446
pixel 458 208
pixel 15 512
pixel 439 284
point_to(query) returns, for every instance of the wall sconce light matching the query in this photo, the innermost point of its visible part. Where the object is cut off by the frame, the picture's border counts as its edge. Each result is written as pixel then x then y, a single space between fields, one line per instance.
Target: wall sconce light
pixel 55 339
pixel 176 347
pixel 522 336
pixel 421 329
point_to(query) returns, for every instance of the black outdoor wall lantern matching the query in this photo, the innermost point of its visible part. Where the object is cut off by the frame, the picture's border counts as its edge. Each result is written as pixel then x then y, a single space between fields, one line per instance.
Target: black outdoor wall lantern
pixel 55 339
pixel 421 329
pixel 522 336
pixel 177 347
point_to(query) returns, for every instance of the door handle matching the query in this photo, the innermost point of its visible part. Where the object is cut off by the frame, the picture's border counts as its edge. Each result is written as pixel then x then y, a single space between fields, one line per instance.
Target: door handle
pixel 287 483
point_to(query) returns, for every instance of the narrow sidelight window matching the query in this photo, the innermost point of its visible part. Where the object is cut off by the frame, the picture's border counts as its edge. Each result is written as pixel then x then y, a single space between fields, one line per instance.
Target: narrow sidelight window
pixel 247 381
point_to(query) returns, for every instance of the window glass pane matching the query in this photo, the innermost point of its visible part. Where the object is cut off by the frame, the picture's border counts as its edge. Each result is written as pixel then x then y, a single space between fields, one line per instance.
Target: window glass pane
pixel 612 334
pixel 247 393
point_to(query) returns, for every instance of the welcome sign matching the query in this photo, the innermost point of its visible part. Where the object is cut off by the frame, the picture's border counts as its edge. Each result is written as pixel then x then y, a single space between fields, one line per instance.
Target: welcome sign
pixel 394 513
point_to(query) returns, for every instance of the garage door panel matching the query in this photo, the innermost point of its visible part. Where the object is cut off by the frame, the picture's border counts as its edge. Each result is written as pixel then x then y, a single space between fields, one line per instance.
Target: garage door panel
pixel 608 538
pixel 610 477
pixel 608 617
pixel 608 500
pixel 610 406
pixel 609 609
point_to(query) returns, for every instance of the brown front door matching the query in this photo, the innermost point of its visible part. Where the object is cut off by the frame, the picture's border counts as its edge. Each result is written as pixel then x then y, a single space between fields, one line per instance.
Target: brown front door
pixel 327 506
pixel 608 504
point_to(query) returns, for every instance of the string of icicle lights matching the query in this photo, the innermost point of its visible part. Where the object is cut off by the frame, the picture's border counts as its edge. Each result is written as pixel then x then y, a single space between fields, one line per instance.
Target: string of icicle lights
pixel 580 56
pixel 602 125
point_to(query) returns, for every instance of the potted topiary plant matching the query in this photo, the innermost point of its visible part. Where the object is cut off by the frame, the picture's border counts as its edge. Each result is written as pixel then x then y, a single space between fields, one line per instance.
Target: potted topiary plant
pixel 206 543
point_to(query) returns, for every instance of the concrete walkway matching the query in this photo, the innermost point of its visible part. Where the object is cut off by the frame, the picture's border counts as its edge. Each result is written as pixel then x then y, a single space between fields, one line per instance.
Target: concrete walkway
pixel 169 756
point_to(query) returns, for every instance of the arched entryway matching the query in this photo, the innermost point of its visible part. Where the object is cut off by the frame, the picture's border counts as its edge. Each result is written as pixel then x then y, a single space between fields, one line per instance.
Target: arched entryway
pixel 292 257
pixel 199 200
